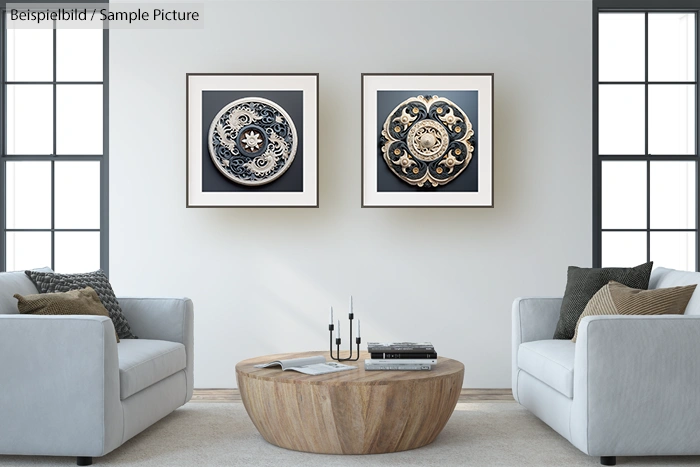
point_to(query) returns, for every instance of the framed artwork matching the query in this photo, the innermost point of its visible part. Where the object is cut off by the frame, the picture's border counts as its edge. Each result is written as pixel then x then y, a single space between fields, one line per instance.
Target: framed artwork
pixel 427 140
pixel 252 140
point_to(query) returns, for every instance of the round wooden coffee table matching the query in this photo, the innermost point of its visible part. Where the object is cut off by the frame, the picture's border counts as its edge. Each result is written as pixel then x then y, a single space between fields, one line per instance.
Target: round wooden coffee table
pixel 352 412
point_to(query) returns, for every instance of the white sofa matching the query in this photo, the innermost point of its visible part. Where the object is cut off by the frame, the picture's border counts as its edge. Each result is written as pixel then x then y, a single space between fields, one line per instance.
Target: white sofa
pixel 68 389
pixel 629 386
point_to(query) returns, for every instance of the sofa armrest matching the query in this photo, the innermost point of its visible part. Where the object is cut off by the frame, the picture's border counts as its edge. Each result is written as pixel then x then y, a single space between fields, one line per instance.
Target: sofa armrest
pixel 167 319
pixel 636 383
pixel 59 386
pixel 535 318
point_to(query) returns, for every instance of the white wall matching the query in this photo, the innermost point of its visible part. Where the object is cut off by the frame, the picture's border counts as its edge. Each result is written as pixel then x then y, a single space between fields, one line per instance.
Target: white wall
pixel 262 279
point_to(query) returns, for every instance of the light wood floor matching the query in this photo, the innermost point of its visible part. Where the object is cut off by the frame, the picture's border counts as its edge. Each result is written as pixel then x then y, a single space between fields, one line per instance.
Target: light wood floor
pixel 468 395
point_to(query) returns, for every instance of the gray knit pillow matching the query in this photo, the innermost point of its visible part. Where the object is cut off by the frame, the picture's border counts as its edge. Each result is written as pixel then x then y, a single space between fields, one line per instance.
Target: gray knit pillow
pixel 50 282
pixel 583 283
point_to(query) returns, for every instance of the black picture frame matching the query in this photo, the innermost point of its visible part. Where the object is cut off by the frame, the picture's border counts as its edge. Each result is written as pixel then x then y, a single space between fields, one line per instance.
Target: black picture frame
pixel 254 84
pixel 370 193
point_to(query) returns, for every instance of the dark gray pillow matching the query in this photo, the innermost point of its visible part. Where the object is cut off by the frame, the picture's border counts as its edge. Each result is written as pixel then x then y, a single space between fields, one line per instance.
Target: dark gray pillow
pixel 49 282
pixel 583 283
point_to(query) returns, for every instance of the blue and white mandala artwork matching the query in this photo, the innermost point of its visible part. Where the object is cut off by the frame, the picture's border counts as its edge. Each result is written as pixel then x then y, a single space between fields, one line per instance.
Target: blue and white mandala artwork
pixel 252 141
pixel 427 141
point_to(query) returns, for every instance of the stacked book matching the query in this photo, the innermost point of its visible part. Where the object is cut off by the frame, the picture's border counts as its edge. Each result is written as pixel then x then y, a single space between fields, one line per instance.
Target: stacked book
pixel 401 356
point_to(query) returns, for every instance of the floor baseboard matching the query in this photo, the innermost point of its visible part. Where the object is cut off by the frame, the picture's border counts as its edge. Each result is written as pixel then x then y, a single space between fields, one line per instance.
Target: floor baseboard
pixel 467 395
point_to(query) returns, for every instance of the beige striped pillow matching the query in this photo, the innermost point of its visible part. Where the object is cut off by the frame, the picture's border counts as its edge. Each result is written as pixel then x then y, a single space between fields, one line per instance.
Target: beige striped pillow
pixel 618 299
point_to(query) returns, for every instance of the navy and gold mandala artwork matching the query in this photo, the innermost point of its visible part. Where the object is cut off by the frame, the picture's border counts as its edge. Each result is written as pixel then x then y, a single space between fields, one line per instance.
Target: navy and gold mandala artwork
pixel 252 141
pixel 427 141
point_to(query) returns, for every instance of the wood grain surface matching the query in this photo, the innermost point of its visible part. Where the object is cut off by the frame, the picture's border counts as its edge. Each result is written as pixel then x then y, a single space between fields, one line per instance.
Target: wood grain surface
pixel 352 412
pixel 467 396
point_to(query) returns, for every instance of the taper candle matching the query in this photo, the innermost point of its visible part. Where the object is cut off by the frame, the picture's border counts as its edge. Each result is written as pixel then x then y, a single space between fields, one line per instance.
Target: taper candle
pixel 337 331
pixel 350 303
pixel 331 318
pixel 358 328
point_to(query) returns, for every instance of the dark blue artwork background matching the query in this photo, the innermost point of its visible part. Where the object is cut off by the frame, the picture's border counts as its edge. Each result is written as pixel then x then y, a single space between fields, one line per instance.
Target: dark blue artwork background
pixel 467 181
pixel 292 180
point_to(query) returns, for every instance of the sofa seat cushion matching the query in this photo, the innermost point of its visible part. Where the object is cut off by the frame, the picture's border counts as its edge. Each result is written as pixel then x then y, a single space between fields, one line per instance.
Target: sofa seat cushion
pixel 144 362
pixel 550 361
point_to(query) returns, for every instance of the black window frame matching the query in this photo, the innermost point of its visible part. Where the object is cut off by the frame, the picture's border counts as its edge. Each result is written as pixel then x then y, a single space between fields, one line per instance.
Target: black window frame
pixel 103 158
pixel 643 6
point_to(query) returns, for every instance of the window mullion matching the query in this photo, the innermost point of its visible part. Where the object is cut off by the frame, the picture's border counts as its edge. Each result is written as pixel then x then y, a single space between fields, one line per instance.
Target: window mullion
pixel 626 83
pixel 82 83
pixel 104 164
pixel 53 163
pixel 646 129
pixel 597 160
pixel 697 143
pixel 3 148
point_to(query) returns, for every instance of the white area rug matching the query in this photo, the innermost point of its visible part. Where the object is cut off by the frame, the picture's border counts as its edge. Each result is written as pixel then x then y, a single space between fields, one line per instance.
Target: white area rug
pixel 221 434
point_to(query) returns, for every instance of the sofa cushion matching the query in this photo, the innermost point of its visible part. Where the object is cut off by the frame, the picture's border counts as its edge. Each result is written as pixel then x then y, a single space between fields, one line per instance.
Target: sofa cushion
pixel 583 283
pixel 12 283
pixel 663 277
pixel 550 361
pixel 54 282
pixel 76 302
pixel 617 299
pixel 144 362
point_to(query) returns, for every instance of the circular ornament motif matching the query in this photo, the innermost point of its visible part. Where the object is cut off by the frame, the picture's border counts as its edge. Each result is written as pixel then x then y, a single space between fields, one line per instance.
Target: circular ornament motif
pixel 252 141
pixel 427 141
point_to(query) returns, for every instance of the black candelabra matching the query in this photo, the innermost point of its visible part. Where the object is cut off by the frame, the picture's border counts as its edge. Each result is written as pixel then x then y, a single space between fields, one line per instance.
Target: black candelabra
pixel 331 328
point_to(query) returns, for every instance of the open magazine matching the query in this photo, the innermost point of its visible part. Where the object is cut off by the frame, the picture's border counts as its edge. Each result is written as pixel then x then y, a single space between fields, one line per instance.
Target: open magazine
pixel 309 365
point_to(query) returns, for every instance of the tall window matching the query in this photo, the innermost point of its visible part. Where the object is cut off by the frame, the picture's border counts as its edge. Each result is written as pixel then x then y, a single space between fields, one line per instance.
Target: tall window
pixel 645 111
pixel 53 167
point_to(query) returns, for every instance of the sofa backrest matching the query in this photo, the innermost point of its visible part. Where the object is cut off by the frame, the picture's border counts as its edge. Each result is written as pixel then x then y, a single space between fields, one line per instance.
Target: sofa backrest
pixel 12 283
pixel 663 277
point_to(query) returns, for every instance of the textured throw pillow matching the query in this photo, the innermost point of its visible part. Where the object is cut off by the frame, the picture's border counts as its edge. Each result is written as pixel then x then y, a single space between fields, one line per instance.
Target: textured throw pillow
pixel 583 283
pixel 76 302
pixel 52 282
pixel 617 299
